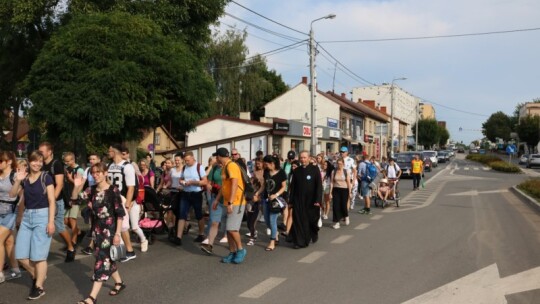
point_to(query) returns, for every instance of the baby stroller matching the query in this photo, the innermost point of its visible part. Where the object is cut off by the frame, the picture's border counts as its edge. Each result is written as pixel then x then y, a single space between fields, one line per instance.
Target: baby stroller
pixel 153 219
pixel 393 183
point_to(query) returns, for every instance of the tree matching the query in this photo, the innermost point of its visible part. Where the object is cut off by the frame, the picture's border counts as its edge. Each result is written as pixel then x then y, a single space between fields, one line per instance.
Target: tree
pixel 529 130
pixel 25 26
pixel 106 77
pixel 428 132
pixel 241 85
pixel 444 135
pixel 498 125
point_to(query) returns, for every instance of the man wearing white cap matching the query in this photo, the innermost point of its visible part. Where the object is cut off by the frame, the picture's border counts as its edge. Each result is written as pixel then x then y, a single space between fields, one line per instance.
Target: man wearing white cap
pixel 350 166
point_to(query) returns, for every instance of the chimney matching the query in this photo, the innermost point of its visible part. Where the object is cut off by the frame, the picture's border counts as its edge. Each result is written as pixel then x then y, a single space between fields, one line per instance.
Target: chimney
pixel 370 103
pixel 245 115
pixel 343 95
pixel 304 79
pixel 359 100
pixel 383 109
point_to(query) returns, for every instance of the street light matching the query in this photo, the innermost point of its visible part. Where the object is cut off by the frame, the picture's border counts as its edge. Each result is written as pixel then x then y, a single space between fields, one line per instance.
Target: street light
pixel 392 115
pixel 313 81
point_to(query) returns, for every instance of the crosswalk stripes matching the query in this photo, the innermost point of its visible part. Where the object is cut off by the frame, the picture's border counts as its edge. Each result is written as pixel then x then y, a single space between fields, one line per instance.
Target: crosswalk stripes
pixel 472 168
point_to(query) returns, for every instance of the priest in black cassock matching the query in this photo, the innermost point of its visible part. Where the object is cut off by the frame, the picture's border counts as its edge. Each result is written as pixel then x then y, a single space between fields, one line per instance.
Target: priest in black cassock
pixel 305 196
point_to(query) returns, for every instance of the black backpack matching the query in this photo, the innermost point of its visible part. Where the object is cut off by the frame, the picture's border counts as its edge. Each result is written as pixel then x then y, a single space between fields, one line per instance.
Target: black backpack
pixel 68 187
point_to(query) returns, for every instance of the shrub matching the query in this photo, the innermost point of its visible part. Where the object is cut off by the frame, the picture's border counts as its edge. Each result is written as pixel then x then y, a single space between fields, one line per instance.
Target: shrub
pixel 531 187
pixel 504 167
pixel 483 158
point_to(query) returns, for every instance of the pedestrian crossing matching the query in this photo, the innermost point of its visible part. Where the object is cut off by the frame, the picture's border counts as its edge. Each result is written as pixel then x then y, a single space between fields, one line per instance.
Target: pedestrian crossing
pixel 472 168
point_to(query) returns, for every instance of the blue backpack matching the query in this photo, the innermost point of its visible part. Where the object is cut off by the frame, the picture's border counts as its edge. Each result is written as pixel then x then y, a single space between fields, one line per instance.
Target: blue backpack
pixel 371 172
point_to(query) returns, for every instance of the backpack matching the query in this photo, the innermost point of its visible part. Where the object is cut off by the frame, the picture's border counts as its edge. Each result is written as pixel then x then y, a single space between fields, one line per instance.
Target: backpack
pixel 198 170
pixel 249 189
pixel 395 169
pixel 68 187
pixel 371 172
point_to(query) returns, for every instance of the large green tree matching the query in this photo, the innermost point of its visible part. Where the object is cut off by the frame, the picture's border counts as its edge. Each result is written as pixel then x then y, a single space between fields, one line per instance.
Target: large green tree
pixel 498 125
pixel 108 76
pixel 428 132
pixel 528 130
pixel 25 26
pixel 444 135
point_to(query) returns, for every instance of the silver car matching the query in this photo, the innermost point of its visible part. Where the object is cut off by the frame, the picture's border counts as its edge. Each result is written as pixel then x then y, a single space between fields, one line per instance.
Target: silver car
pixel 533 161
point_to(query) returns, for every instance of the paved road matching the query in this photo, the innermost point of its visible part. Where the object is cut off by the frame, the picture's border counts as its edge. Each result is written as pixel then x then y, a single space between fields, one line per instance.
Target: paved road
pixel 439 235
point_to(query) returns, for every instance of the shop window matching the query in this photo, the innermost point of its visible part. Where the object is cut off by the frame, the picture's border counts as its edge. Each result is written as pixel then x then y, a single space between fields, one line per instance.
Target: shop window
pixel 297 145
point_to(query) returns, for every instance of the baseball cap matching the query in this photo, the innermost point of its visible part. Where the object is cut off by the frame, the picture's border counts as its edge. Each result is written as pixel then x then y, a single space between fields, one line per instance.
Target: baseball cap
pixel 344 149
pixel 223 152
pixel 291 154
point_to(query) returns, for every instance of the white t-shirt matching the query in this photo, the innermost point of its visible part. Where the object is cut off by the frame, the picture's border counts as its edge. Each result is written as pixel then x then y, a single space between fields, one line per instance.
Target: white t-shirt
pixel 350 165
pixel 175 178
pixel 391 172
pixel 190 174
pixel 122 181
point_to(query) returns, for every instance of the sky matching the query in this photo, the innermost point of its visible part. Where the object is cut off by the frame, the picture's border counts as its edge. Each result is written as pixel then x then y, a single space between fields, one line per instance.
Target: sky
pixel 466 79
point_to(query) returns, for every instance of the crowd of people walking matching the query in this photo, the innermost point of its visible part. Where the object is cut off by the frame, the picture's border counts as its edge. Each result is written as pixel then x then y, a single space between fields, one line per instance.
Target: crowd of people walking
pixel 42 197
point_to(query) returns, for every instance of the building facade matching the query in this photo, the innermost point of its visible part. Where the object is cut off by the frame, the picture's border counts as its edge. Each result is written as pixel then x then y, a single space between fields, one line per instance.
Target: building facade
pixel 427 111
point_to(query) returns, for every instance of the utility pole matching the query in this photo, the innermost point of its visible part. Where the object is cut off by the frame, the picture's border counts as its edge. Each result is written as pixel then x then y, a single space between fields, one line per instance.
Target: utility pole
pixel 392 115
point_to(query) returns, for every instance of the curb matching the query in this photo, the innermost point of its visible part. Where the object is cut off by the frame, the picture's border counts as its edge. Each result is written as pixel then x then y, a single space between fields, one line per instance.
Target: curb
pixel 526 199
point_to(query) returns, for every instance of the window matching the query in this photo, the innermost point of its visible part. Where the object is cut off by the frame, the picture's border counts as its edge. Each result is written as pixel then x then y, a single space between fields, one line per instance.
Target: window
pixel 297 145
pixel 158 139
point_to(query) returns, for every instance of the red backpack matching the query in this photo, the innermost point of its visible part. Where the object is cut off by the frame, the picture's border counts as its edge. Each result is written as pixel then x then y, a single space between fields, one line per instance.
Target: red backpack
pixel 140 190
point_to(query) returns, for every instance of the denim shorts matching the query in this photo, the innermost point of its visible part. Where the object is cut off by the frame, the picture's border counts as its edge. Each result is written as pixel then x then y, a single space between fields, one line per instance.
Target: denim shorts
pixel 33 242
pixel 364 189
pixel 215 215
pixel 188 200
pixel 8 220
pixel 59 217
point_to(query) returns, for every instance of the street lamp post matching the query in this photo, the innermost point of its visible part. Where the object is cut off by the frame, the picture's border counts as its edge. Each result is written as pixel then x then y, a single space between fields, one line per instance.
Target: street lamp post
pixel 392 115
pixel 313 85
pixel 416 133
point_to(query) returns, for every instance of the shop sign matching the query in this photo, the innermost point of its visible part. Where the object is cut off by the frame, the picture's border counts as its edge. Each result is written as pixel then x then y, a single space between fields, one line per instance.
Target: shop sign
pixel 334 134
pixel 332 123
pixel 306 131
pixel 281 126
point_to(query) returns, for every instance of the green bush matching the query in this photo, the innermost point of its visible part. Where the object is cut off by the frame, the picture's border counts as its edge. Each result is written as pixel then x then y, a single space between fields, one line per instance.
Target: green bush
pixel 483 158
pixel 504 167
pixel 531 187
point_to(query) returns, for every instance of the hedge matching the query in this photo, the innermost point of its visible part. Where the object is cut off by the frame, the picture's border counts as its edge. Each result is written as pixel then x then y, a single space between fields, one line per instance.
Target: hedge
pixel 531 187
pixel 496 163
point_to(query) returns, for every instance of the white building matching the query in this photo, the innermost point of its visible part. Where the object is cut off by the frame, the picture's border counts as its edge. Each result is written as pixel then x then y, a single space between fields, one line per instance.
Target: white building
pixel 405 104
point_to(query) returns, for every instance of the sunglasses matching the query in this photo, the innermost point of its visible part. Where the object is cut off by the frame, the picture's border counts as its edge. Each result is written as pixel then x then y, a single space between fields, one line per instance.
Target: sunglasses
pixel 234 154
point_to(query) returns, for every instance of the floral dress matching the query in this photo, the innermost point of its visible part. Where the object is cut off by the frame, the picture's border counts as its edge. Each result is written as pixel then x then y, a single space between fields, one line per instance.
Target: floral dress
pixel 106 207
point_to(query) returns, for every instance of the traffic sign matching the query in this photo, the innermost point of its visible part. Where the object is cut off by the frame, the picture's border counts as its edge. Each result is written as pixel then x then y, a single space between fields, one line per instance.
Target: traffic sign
pixel 150 147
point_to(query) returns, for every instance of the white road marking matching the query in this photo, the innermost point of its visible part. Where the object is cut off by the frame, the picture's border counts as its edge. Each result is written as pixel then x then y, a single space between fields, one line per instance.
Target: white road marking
pixel 312 257
pixel 475 168
pixel 376 217
pixel 466 168
pixel 362 226
pixel 263 287
pixel 342 239
pixel 486 168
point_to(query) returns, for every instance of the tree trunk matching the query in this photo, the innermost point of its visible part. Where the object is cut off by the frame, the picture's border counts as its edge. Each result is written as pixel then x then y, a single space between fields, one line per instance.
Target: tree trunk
pixel 15 128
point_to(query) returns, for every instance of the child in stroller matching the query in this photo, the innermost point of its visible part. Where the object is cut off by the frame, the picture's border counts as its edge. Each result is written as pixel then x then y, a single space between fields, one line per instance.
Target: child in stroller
pixel 384 191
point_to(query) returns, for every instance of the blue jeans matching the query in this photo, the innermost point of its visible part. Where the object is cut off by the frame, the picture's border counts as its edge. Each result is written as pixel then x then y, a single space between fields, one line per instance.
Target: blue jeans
pixel 270 219
pixel 33 242
pixel 59 217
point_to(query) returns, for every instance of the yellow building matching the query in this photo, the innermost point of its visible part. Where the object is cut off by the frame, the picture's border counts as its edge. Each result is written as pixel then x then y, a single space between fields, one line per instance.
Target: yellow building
pixel 426 111
pixel 164 144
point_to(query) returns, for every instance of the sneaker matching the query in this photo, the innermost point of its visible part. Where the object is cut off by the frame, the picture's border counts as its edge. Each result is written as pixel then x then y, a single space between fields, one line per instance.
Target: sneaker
pixel 282 227
pixel 36 293
pixel 268 231
pixel 336 226
pixel 347 221
pixel 2 278
pixel 251 242
pixel 240 256
pixel 11 275
pixel 144 246
pixel 207 248
pixel 70 256
pixel 250 236
pixel 224 240
pixel 324 217
pixel 199 238
pixel 88 250
pixel 365 212
pixel 319 223
pixel 129 256
pixel 228 259
pixel 176 240
pixel 206 241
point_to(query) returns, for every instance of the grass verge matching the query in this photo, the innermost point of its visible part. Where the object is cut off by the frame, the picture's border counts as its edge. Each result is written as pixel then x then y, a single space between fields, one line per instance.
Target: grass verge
pixel 494 162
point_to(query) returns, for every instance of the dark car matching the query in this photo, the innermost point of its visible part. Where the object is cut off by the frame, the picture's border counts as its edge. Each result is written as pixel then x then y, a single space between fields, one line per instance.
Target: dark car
pixel 461 150
pixel 442 157
pixel 403 160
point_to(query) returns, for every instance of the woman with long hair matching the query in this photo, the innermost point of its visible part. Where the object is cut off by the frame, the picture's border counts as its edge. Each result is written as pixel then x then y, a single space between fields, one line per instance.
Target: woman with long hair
pixel 340 190
pixel 327 169
pixel 37 226
pixel 257 180
pixel 105 203
pixel 8 165
pixel 275 181
pixel 147 174
pixel 174 196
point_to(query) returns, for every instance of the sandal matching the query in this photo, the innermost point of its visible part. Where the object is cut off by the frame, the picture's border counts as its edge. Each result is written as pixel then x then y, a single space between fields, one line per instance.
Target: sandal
pixel 94 301
pixel 269 249
pixel 251 242
pixel 116 291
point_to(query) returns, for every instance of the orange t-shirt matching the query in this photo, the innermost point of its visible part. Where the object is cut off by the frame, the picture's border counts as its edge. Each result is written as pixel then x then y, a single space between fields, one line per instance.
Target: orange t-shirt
pixel 417 166
pixel 232 170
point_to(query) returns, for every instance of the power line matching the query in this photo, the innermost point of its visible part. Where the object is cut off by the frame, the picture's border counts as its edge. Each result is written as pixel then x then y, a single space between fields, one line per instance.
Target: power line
pixel 453 109
pixel 264 29
pixel 271 20
pixel 433 37
pixel 341 64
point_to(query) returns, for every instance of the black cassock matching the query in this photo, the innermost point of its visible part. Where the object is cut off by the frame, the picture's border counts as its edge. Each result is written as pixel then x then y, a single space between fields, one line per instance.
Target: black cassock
pixel 305 192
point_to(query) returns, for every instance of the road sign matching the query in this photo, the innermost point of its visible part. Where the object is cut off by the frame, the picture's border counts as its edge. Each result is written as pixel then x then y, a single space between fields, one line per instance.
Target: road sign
pixel 482 286
pixel 510 149
pixel 150 147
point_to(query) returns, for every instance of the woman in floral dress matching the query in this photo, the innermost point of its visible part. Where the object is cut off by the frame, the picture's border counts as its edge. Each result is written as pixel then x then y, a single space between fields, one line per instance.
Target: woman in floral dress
pixel 107 212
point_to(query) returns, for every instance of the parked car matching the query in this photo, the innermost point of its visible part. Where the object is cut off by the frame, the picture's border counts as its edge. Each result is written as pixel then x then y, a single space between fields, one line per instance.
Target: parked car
pixel 523 159
pixel 461 150
pixel 533 161
pixel 473 151
pixel 442 157
pixel 403 160
pixel 432 156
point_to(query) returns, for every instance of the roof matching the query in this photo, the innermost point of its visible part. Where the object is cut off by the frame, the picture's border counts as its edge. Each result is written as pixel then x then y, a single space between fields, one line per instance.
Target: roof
pixel 358 107
pixel 234 119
